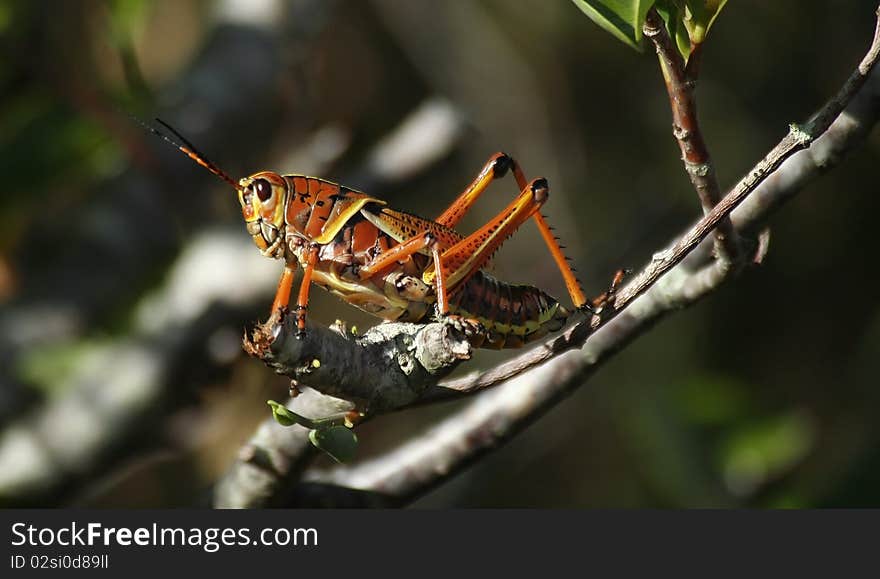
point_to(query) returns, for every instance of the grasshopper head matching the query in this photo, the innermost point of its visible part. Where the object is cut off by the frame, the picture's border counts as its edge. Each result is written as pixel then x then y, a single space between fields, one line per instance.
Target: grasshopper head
pixel 262 197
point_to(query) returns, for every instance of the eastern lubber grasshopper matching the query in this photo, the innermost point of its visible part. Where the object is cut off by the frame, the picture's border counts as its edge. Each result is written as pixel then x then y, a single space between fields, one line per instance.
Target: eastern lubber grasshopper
pixel 393 264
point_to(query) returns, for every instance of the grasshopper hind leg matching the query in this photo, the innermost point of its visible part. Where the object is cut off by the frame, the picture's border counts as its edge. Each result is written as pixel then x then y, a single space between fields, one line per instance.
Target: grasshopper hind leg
pixel 598 304
pixel 497 167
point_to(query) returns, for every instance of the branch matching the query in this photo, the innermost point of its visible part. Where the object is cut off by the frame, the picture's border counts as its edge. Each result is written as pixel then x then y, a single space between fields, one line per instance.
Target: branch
pixel 387 368
pixel 421 464
pixel 680 83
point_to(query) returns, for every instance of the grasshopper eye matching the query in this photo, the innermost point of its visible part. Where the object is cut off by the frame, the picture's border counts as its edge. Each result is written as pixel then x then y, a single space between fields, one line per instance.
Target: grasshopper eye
pixel 263 189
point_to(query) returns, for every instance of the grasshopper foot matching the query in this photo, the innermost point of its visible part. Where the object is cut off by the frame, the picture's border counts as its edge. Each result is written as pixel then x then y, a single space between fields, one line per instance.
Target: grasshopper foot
pixel 606 298
pixel 300 322
pixel 471 329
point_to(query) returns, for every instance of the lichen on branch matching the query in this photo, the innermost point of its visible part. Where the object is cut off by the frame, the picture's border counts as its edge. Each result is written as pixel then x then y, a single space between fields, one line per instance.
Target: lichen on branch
pixel 388 367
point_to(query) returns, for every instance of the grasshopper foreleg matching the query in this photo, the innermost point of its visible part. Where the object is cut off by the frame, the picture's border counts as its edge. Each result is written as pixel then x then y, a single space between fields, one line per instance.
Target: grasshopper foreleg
pixel 302 299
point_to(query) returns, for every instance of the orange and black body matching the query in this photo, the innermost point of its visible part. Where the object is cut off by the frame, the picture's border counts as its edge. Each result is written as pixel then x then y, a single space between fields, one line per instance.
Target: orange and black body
pixel 395 265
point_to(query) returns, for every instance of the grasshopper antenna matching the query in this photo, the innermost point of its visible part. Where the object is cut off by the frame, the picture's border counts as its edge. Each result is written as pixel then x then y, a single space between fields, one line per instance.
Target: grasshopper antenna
pixel 187 148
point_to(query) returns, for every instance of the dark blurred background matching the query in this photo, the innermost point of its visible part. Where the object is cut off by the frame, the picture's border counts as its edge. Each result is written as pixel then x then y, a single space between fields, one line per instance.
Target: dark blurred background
pixel 127 277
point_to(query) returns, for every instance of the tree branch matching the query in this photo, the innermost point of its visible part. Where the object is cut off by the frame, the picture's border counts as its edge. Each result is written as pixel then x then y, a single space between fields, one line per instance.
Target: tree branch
pixel 387 368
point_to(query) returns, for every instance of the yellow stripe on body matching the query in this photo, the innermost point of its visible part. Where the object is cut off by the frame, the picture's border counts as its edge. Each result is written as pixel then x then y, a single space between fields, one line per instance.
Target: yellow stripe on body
pixel 331 228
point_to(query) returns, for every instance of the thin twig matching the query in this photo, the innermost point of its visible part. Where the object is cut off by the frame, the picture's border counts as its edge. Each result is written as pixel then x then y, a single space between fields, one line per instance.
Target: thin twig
pixel 681 81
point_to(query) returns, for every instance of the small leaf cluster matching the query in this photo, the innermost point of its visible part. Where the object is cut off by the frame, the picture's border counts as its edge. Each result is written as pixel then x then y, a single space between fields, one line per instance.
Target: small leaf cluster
pixel 687 21
pixel 332 435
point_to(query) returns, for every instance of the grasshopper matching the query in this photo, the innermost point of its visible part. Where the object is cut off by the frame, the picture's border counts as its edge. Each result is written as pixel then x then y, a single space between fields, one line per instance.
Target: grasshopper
pixel 395 265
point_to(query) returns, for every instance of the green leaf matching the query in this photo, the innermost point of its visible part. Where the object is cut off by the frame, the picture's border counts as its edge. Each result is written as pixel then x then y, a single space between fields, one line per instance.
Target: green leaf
pixel 287 417
pixel 622 18
pixel 337 441
pixel 701 15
